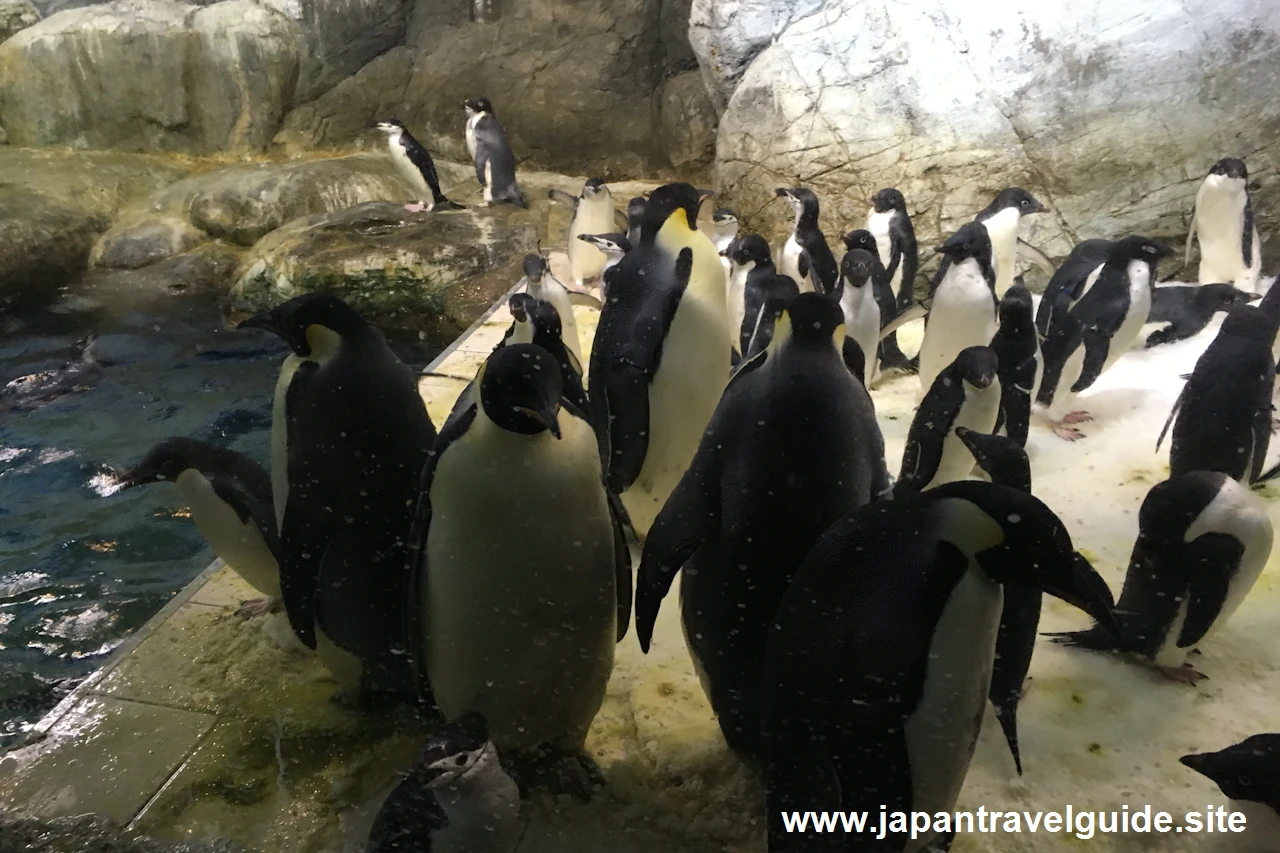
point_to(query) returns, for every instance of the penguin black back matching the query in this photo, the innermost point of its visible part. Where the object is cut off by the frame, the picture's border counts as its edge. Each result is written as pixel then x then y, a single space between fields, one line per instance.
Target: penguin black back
pixel 905 254
pixel 1071 279
pixel 1189 308
pixel 1016 350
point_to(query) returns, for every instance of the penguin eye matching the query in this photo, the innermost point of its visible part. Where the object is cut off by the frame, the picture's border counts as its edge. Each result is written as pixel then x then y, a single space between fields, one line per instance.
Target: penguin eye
pixel 1245 780
pixel 461 760
pixel 1024 202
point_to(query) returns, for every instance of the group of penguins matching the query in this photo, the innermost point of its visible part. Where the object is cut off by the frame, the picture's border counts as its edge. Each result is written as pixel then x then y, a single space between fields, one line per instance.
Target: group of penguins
pixel 847 627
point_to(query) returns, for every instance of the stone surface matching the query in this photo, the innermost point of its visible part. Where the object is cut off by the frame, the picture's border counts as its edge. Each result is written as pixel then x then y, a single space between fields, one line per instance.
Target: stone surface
pixel 208 268
pixel 688 123
pixel 102 183
pixel 1111 113
pixel 16 15
pixel 43 245
pixel 137 244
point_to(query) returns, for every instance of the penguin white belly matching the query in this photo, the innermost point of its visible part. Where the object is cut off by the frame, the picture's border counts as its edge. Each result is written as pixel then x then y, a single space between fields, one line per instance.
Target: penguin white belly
pixel 1035 385
pixel 280 439
pixel 345 667
pixel 412 176
pixel 1136 317
pixel 942 731
pixel 963 315
pixel 1170 654
pixel 238 543
pixel 790 264
pixel 488 181
pixel 519 592
pixel 862 323
pixel 1003 230
pixel 471 134
pixel 1236 511
pixel 1261 825
pixel 737 302
pixel 594 216
pixel 1063 396
pixel 549 290
pixel 1220 229
pixel 979 413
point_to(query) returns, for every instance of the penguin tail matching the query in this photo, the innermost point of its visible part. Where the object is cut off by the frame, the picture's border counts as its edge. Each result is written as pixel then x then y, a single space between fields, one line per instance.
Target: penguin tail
pixel 1096 639
pixel 1007 715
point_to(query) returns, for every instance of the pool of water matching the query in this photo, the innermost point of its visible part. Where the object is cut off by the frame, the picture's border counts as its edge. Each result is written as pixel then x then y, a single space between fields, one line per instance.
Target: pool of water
pixel 82 567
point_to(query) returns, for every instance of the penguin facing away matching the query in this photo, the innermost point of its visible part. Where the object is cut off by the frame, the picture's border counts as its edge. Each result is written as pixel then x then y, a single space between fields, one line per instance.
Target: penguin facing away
pixel 1001 219
pixel 540 283
pixel 1223 223
pixel 495 163
pixel 635 216
pixel 793 446
pixel 855 294
pixel 1249 774
pixel 1189 308
pixel 1074 278
pixel 520 460
pixel 767 299
pixel 963 309
pixel 230 499
pixel 593 213
pixel 1021 365
pixel 415 165
pixel 879 660
pixel 1203 540
pixel 808 238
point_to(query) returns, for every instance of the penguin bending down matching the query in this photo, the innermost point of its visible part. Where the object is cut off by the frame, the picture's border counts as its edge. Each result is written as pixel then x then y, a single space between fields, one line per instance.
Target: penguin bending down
pixel 349 438
pixel 1074 278
pixel 539 283
pixel 521 460
pixel 855 294
pixel 1188 308
pixel 1001 219
pixel 659 363
pixel 1203 540
pixel 495 163
pixel 593 213
pixel 750 269
pixel 1223 222
pixel 1249 774
pixel 966 394
pixel 613 246
pixel 792 446
pixel 1097 330
pixel 879 661
pixel 1020 365
pixel 963 310
pixel 230 499
pixel 1222 418
pixel 888 355
pixel 457 797
pixel 808 238
pixel 415 165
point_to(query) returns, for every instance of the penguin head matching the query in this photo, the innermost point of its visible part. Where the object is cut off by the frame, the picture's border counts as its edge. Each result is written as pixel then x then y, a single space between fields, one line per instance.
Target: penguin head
pixel 1018 198
pixel 313 324
pixel 1248 771
pixel 970 241
pixel 1139 248
pixel 168 459
pixel 520 389
pixel 1251 323
pixel 1016 307
pixel 751 248
pixel 859 238
pixel 1001 457
pixel 856 266
pixel 476 106
pixel 390 126
pixel 810 319
pixel 803 200
pixel 535 267
pixel 614 246
pixel 535 320
pixel 456 751
pixel 1221 296
pixel 889 199
pixel 1230 167
pixel 635 209
pixel 671 201
pixel 725 218
pixel 977 366
pixel 594 187
pixel 780 291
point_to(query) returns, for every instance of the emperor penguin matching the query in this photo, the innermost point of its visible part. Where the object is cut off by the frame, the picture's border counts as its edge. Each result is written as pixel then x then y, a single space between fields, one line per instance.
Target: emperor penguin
pixel 540 283
pixel 593 213
pixel 963 310
pixel 793 446
pixel 966 394
pixel 613 246
pixel 855 294
pixel 659 362
pixel 1188 308
pixel 879 660
pixel 558 582
pixel 1074 278
pixel 750 270
pixel 1222 418
pixel 1203 540
pixel 1090 337
pixel 495 163
pixel 415 165
pixel 230 500
pixel 806 237
pixel 349 438
pixel 1021 366
pixel 1001 219
pixel 888 353
pixel 458 797
pixel 1223 223
pixel 1249 774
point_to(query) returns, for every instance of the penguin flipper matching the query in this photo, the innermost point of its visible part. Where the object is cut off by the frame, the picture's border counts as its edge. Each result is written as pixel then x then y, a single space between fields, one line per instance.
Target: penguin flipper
pixel 302 544
pixel 1191 233
pixel 407 817
pixel 621 560
pixel 1037 257
pixel 1096 347
pixel 562 197
pixel 928 431
pixel 248 506
pixel 1246 247
pixel 1015 642
pixel 620 221
pixel 854 359
pixel 1177 404
pixel 918 311
pixel 1211 558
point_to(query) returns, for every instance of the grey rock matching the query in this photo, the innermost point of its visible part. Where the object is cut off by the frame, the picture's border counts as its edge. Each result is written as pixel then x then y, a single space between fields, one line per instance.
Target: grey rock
pixel 132 245
pixel 677 53
pixel 43 245
pixel 16 15
pixel 688 123
pixel 208 268
pixel 101 183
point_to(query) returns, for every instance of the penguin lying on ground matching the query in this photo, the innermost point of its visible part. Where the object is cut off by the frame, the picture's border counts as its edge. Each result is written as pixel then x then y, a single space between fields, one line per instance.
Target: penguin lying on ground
pixel 593 213
pixel 416 166
pixel 962 310
pixel 888 355
pixel 1020 364
pixel 37 389
pixel 1223 222
pixel 806 237
pixel 494 161
pixel 879 661
pixel 792 446
pixel 230 499
pixel 1248 773
pixel 1074 278
pixel 855 294
pixel 1189 308
pixel 1203 540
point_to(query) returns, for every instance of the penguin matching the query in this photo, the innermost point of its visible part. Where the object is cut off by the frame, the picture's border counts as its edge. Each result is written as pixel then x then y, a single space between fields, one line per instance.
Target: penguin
pixel 1222 418
pixel 793 446
pixel 855 294
pixel 415 165
pixel 878 664
pixel 1203 540
pixel 349 438
pixel 724 228
pixel 750 270
pixel 1189 308
pixel 1249 774
pixel 495 163
pixel 807 237
pixel 963 307
pixel 659 362
pixel 766 300
pixel 513 519
pixel 1097 330
pixel 230 500
pixel 1076 275
pixel 539 283
pixel 613 246
pixel 457 797
pixel 889 354
pixel 966 394
pixel 30 392
pixel 593 213
pixel 635 216
pixel 1020 364
pixel 1223 223
pixel 1001 219
pixel 890 225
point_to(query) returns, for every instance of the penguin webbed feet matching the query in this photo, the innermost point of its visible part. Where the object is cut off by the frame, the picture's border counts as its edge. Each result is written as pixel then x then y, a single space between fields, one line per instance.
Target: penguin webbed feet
pixel 258 607
pixel 555 771
pixel 1185 674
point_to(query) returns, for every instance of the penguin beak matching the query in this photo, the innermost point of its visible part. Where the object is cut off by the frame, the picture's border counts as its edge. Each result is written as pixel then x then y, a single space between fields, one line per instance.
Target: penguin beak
pixel 703 195
pixel 265 321
pixel 547 418
pixel 1039 206
pixel 1078 584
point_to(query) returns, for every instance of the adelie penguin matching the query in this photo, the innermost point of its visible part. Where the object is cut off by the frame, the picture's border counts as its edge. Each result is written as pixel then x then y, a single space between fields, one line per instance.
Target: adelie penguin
pixel 1071 281
pixel 1203 540
pixel 890 225
pixel 879 661
pixel 1188 308
pixel 963 301
pixel 750 270
pixel 1223 223
pixel 1001 218
pixel 513 520
pixel 230 500
pixel 593 213
pixel 806 237
pixel 349 439
pixel 660 358
pixel 855 294
pixel 792 446
pixel 416 166
pixel 889 356
pixel 1021 366
pixel 1249 774
pixel 494 161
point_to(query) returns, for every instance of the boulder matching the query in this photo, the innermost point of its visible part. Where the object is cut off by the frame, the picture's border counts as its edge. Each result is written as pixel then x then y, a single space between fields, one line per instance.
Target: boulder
pixel 1110 112
pixel 43 245
pixel 16 15
pixel 131 245
pixel 688 123
pixel 208 268
pixel 101 183
pixel 391 265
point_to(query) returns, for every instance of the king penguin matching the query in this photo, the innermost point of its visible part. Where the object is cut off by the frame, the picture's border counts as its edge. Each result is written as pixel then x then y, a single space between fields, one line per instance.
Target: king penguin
pixel 1021 366
pixel 593 213
pixel 792 446
pixel 1203 540
pixel 416 166
pixel 879 661
pixel 1223 223
pixel 1002 218
pixel 349 438
pixel 1249 774
pixel 855 294
pixel 660 360
pixel 807 238
pixel 540 283
pixel 495 163
pixel 513 520
pixel 963 309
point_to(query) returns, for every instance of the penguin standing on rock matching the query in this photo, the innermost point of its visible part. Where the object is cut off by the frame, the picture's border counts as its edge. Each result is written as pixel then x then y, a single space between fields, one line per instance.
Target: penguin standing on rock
pixel 539 283
pixel 807 238
pixel 792 446
pixel 1230 250
pixel 416 166
pixel 963 302
pixel 1021 366
pixel 1248 773
pixel 855 294
pixel 1203 540
pixel 879 661
pixel 593 213
pixel 1188 308
pixel 495 163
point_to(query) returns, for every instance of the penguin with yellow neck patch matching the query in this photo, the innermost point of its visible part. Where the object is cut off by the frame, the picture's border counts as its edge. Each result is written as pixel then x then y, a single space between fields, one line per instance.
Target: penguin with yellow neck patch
pixel 349 440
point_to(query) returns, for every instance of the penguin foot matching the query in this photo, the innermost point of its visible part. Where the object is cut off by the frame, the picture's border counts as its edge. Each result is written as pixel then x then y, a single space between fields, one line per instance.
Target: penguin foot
pixel 257 607
pixel 576 774
pixel 1185 674
pixel 416 208
pixel 1067 432
pixel 1078 417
